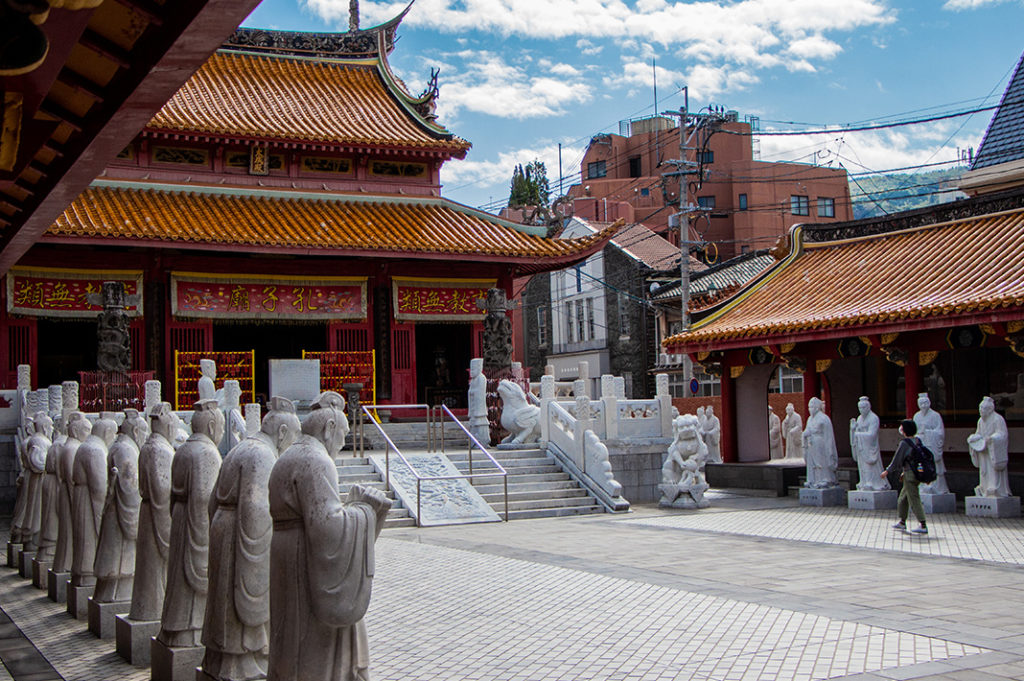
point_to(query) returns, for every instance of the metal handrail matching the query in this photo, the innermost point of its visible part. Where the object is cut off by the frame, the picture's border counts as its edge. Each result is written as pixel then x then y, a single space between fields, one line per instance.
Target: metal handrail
pixel 469 454
pixel 364 413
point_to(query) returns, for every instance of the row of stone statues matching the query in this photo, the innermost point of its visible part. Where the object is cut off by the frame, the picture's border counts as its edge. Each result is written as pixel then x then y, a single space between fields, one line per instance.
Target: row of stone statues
pixel 250 566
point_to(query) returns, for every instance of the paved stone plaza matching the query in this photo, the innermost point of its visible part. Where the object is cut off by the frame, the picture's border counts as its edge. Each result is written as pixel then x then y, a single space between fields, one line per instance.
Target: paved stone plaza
pixel 752 588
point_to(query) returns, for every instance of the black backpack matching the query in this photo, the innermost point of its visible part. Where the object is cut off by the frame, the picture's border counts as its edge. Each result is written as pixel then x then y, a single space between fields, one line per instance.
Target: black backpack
pixel 922 461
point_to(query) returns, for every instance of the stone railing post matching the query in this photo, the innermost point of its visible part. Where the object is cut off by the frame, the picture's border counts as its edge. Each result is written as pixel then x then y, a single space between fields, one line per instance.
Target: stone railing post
pixel 252 419
pixel 53 401
pixel 69 397
pixel 611 407
pixel 664 403
pixel 152 395
pixel 583 375
pixel 547 396
pixel 24 377
pixel 583 422
pixel 620 388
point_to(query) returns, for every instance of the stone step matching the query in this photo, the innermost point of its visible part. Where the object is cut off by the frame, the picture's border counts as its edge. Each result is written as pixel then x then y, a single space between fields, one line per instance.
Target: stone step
pixel 499 454
pixel 498 497
pixel 356 469
pixel 534 504
pixel 514 471
pixel 505 463
pixel 530 478
pixel 343 487
pixel 514 486
pixel 553 512
pixel 359 477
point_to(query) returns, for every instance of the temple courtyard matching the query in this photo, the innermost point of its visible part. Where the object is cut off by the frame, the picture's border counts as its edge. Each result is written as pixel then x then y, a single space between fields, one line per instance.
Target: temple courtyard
pixel 751 588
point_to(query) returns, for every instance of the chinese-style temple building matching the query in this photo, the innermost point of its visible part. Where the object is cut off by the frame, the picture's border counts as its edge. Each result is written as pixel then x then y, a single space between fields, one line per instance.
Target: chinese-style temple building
pixel 285 200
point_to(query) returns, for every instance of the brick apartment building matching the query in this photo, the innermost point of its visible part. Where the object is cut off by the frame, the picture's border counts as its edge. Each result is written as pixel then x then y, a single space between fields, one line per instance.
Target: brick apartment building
pixel 748 203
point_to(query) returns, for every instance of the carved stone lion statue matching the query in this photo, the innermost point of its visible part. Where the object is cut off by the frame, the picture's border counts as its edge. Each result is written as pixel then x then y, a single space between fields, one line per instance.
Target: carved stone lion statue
pixel 518 417
pixel 682 476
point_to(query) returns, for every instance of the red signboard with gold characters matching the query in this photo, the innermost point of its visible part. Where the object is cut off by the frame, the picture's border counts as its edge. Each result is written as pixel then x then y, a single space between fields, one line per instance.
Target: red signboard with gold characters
pixel 439 299
pixel 241 296
pixel 51 292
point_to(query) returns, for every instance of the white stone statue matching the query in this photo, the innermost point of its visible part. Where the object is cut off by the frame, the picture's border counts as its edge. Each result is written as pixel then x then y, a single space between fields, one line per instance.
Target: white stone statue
pixel 989 447
pixel 713 435
pixel 236 629
pixel 79 429
pixel 119 530
pixel 702 421
pixel 933 436
pixel 682 475
pixel 207 375
pixel 819 445
pixel 866 451
pixel 774 435
pixel 154 536
pixel 793 433
pixel 50 497
pixel 36 448
pixel 234 422
pixel 321 558
pixel 478 424
pixel 193 475
pixel 87 497
pixel 518 417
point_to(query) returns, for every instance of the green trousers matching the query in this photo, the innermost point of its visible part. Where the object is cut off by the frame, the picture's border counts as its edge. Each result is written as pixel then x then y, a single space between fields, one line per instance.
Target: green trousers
pixel 910 496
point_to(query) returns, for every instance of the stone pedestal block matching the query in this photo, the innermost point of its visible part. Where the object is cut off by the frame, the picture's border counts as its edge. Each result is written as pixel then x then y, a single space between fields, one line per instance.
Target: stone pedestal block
pixel 134 639
pixel 57 585
pixel 174 664
pixel 101 616
pixel 993 507
pixel 939 503
pixel 39 570
pixel 828 496
pixel 12 554
pixel 25 563
pixel 872 501
pixel 78 600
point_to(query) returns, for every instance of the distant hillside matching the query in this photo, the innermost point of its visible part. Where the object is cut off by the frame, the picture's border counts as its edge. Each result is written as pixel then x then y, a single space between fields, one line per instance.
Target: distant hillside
pixel 877 194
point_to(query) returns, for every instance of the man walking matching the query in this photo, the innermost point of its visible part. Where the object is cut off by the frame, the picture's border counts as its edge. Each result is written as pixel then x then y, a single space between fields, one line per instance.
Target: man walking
pixel 910 496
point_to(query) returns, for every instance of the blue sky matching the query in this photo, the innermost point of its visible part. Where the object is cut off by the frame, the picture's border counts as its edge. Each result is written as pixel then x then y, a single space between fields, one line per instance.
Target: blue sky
pixel 518 77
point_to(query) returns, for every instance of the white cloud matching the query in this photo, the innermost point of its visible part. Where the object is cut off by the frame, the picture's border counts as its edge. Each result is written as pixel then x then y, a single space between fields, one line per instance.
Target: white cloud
pixel 969 4
pixel 704 81
pixel 488 84
pixel 814 47
pixel 588 48
pixel 495 173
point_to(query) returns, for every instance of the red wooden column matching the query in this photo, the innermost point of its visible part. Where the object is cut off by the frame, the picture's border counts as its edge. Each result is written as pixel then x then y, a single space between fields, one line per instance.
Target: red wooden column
pixel 728 416
pixel 912 384
pixel 812 385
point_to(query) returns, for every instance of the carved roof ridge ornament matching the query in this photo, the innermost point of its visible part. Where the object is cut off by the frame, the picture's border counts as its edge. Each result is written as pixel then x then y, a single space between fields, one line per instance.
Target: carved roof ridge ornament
pixel 361 43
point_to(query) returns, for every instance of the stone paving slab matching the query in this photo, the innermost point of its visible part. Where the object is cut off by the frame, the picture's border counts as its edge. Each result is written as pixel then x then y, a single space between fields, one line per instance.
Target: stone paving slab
pixel 999 540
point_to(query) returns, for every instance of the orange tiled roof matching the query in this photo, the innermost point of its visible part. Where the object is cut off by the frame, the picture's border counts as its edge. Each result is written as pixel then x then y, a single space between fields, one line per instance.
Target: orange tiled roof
pixel 280 220
pixel 300 100
pixel 965 266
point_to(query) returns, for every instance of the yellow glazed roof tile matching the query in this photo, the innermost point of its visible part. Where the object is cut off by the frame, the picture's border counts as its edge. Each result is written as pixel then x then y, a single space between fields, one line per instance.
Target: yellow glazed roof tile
pixel 970 265
pixel 297 100
pixel 331 223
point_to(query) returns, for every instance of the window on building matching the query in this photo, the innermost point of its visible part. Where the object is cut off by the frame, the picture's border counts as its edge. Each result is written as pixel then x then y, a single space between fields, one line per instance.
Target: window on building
pixel 590 319
pixel 708 385
pixel 678 385
pixel 581 322
pixel 623 315
pixel 634 166
pixel 596 169
pixel 644 191
pixel 743 202
pixel 799 205
pixel 542 325
pixel 706 202
pixel 705 157
pixel 786 380
pixel 579 278
pixel 570 324
pixel 826 207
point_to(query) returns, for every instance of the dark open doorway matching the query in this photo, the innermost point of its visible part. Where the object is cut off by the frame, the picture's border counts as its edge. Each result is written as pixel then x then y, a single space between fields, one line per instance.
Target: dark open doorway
pixel 269 341
pixel 65 348
pixel 442 363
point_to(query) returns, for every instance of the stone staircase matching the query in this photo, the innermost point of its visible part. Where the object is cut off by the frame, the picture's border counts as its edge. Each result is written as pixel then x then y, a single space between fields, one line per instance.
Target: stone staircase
pixel 537 486
pixel 352 470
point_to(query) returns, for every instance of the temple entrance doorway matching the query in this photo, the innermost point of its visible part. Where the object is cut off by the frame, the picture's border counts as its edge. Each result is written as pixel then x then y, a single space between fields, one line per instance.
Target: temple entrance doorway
pixel 443 352
pixel 59 359
pixel 269 341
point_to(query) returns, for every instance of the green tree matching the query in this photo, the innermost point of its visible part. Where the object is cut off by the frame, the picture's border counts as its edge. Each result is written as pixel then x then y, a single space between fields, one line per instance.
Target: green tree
pixel 529 186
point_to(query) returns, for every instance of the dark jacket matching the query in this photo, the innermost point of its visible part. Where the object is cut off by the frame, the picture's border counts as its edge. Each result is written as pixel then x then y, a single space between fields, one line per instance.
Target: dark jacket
pixel 901 460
